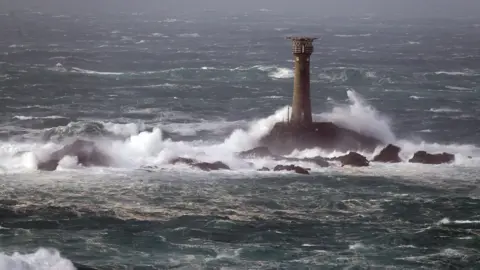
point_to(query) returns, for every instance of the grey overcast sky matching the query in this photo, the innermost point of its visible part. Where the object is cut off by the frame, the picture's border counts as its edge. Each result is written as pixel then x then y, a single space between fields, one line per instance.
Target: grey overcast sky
pixel 382 8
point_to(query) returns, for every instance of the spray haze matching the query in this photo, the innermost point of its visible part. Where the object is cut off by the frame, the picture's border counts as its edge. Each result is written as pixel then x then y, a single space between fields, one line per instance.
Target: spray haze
pixel 330 8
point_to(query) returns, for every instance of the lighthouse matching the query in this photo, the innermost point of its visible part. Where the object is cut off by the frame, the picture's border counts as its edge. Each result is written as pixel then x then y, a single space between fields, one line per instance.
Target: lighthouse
pixel 302 49
pixel 300 132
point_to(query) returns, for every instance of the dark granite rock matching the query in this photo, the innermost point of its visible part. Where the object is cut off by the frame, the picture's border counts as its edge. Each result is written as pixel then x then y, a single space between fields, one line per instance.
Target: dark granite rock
pixel 215 166
pixel 426 158
pixel 205 166
pixel 264 169
pixel 188 161
pixel 292 167
pixel 256 152
pixel 87 154
pixel 353 159
pixel 388 154
pixel 285 137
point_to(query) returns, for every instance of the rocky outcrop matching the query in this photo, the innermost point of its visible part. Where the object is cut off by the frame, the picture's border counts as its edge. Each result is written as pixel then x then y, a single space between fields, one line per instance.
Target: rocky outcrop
pixel 264 169
pixel 188 161
pixel 292 167
pixel 433 159
pixel 286 137
pixel 353 159
pixel 389 154
pixel 261 151
pixel 204 166
pixel 215 166
pixel 86 152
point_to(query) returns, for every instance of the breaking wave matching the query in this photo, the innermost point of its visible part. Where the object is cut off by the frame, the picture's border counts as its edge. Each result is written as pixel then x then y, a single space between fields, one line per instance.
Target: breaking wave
pixel 42 259
pixel 444 110
pixel 135 145
pixel 466 73
pixel 361 117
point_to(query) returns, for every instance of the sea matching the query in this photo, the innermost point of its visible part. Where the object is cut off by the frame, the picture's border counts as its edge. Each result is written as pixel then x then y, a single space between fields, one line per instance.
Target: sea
pixel 148 87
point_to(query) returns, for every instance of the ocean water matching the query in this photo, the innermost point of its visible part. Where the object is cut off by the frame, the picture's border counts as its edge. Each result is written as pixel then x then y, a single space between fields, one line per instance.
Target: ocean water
pixel 149 87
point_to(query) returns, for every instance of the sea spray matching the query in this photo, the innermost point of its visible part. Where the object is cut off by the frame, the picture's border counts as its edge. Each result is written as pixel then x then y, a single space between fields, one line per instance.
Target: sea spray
pixel 43 259
pixel 136 147
pixel 242 140
pixel 361 117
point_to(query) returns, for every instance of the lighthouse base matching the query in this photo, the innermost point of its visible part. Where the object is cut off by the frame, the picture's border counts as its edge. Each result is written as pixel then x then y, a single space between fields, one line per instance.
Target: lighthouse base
pixel 286 137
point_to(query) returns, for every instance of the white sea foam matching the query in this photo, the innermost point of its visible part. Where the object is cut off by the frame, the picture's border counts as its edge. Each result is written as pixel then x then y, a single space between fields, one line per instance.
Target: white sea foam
pixel 158 35
pixel 191 129
pixel 457 88
pixel 281 73
pixel 43 259
pixel 22 117
pixel 446 221
pixel 444 110
pixel 170 20
pixel 128 129
pixel 86 71
pixel 16 46
pixel 357 246
pixel 361 117
pixel 190 35
pixel 456 73
pixel 140 148
pixel 350 36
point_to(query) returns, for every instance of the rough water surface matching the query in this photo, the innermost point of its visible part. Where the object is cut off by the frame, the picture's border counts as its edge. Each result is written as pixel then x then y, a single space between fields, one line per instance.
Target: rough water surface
pixel 149 87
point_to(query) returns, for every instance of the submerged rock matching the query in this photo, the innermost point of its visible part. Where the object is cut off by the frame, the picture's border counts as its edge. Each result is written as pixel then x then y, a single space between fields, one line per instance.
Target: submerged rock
pixel 205 166
pixel 389 154
pixel 426 158
pixel 86 152
pixel 353 159
pixel 265 152
pixel 297 169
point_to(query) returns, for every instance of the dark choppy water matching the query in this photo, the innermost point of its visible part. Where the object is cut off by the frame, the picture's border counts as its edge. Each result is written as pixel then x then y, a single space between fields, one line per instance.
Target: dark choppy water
pixel 148 87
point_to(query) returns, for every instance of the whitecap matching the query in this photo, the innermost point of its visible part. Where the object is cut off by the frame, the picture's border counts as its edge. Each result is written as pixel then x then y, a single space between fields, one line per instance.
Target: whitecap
pixel 43 259
pixel 456 88
pixel 190 35
pixel 464 73
pixel 444 110
pixel 23 117
pixel 281 73
pixel 446 221
pixel 92 72
pixel 350 36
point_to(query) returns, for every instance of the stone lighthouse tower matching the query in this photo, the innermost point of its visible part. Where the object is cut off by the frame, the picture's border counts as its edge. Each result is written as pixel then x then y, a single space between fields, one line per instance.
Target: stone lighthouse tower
pixel 300 132
pixel 302 48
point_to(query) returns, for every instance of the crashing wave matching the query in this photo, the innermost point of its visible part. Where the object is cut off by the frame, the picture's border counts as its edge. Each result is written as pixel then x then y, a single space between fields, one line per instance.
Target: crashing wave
pixel 134 145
